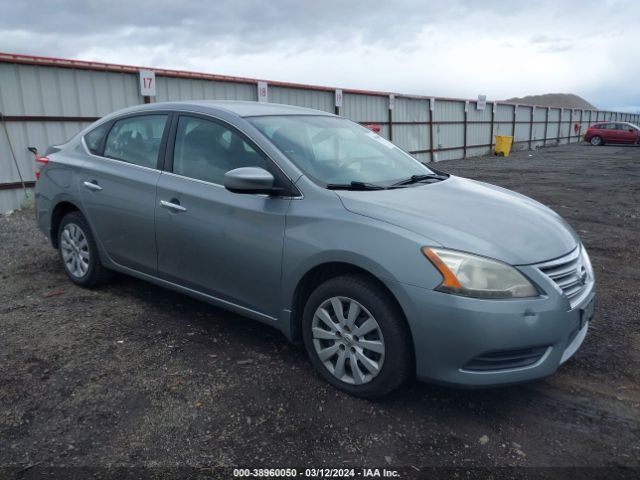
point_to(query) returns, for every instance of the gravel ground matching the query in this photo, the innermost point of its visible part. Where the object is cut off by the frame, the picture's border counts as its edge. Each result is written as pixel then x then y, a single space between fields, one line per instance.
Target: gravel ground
pixel 131 374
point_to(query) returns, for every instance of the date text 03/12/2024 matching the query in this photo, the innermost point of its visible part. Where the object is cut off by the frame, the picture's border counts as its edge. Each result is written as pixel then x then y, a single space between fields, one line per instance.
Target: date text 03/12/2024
pixel 315 473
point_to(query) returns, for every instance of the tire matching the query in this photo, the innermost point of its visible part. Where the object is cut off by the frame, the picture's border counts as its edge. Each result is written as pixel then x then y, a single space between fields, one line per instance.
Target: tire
pixel 388 346
pixel 596 141
pixel 79 253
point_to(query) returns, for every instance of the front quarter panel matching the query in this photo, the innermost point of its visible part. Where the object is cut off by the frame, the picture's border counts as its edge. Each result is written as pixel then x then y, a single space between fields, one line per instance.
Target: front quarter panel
pixel 320 230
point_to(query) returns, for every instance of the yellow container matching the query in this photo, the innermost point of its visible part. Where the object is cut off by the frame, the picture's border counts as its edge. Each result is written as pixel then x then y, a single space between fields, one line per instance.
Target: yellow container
pixel 503 145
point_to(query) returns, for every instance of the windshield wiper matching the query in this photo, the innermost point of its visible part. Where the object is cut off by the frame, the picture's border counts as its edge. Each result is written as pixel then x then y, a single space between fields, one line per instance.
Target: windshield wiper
pixel 354 186
pixel 421 178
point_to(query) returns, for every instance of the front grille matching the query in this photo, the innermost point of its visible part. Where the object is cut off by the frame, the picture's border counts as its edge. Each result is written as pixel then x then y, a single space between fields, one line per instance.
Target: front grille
pixel 569 273
pixel 505 359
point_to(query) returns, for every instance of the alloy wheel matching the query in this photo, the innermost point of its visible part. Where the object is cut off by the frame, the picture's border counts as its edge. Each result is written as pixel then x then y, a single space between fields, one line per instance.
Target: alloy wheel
pixel 75 250
pixel 348 340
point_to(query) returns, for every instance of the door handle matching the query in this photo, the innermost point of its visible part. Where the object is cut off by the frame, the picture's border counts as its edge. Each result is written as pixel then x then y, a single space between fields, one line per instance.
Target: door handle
pixel 93 186
pixel 176 207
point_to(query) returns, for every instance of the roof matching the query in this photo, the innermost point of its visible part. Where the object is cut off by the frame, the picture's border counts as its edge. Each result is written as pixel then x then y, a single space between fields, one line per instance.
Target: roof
pixel 237 107
pixel 253 109
pixel 599 122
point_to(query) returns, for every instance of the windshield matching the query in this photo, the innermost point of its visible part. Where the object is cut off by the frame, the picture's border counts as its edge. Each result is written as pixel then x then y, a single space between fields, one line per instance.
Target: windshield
pixel 334 150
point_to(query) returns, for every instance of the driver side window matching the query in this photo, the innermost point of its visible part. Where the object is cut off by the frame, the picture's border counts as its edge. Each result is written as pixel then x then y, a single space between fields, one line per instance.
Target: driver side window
pixel 206 150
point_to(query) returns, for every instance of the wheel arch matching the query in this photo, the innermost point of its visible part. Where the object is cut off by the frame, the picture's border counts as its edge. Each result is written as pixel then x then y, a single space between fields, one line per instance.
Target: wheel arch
pixel 57 214
pixel 321 273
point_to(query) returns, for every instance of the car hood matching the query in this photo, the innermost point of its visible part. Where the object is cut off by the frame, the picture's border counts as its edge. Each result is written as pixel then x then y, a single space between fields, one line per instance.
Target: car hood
pixel 471 216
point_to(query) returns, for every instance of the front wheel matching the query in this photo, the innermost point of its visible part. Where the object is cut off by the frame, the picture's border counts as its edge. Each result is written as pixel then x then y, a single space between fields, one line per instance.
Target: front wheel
pixel 356 337
pixel 596 141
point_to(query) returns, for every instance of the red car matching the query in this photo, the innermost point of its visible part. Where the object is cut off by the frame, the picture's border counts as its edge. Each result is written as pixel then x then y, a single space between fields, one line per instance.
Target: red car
pixel 612 132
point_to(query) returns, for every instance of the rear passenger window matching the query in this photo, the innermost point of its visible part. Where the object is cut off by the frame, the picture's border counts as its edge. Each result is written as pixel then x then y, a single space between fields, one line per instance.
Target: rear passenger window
pixel 136 140
pixel 206 150
pixel 95 138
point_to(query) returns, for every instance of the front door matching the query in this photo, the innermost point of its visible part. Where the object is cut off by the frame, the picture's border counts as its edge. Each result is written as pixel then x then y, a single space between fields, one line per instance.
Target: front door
pixel 220 243
pixel 627 133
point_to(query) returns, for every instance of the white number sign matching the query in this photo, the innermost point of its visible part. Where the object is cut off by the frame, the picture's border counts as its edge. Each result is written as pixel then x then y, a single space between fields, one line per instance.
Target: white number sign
pixel 482 102
pixel 147 83
pixel 338 98
pixel 263 92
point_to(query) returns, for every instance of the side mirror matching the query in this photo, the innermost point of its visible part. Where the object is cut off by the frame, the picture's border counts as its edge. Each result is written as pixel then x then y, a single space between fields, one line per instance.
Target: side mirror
pixel 250 180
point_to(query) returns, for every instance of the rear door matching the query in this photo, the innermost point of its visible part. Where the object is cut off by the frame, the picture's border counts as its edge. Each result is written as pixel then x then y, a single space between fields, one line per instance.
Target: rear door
pixel 224 244
pixel 610 133
pixel 118 188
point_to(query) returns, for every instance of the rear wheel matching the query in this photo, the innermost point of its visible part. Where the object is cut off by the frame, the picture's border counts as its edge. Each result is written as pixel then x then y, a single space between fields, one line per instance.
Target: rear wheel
pixel 79 253
pixel 596 141
pixel 356 337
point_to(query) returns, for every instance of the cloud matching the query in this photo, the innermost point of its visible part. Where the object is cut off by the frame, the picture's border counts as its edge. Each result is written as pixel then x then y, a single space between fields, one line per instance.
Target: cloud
pixel 246 24
pixel 453 48
pixel 556 48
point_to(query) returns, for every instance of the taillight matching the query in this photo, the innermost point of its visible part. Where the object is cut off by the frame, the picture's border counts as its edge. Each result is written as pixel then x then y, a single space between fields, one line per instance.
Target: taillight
pixel 42 161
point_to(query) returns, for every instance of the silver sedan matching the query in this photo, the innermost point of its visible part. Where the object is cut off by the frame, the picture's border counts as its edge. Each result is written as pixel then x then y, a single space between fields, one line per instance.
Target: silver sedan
pixel 383 267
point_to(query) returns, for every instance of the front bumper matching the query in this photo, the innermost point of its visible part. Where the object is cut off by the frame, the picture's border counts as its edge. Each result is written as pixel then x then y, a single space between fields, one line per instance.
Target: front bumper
pixel 449 332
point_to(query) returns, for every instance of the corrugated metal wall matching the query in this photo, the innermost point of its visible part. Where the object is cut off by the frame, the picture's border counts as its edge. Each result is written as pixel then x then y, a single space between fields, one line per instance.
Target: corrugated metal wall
pixel 168 88
pixel 46 101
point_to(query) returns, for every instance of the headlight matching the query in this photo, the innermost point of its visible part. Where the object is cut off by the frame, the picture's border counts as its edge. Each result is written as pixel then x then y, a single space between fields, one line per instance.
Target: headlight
pixel 479 277
pixel 587 263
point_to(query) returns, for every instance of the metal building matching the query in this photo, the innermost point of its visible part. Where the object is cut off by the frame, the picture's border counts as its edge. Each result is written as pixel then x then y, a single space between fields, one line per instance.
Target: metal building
pixel 45 101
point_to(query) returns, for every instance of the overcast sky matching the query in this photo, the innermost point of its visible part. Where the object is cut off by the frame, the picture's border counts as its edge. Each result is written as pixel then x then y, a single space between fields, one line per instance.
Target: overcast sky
pixel 452 48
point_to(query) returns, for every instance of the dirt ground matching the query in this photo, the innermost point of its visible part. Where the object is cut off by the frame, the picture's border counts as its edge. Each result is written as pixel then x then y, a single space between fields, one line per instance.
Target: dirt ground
pixel 131 374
